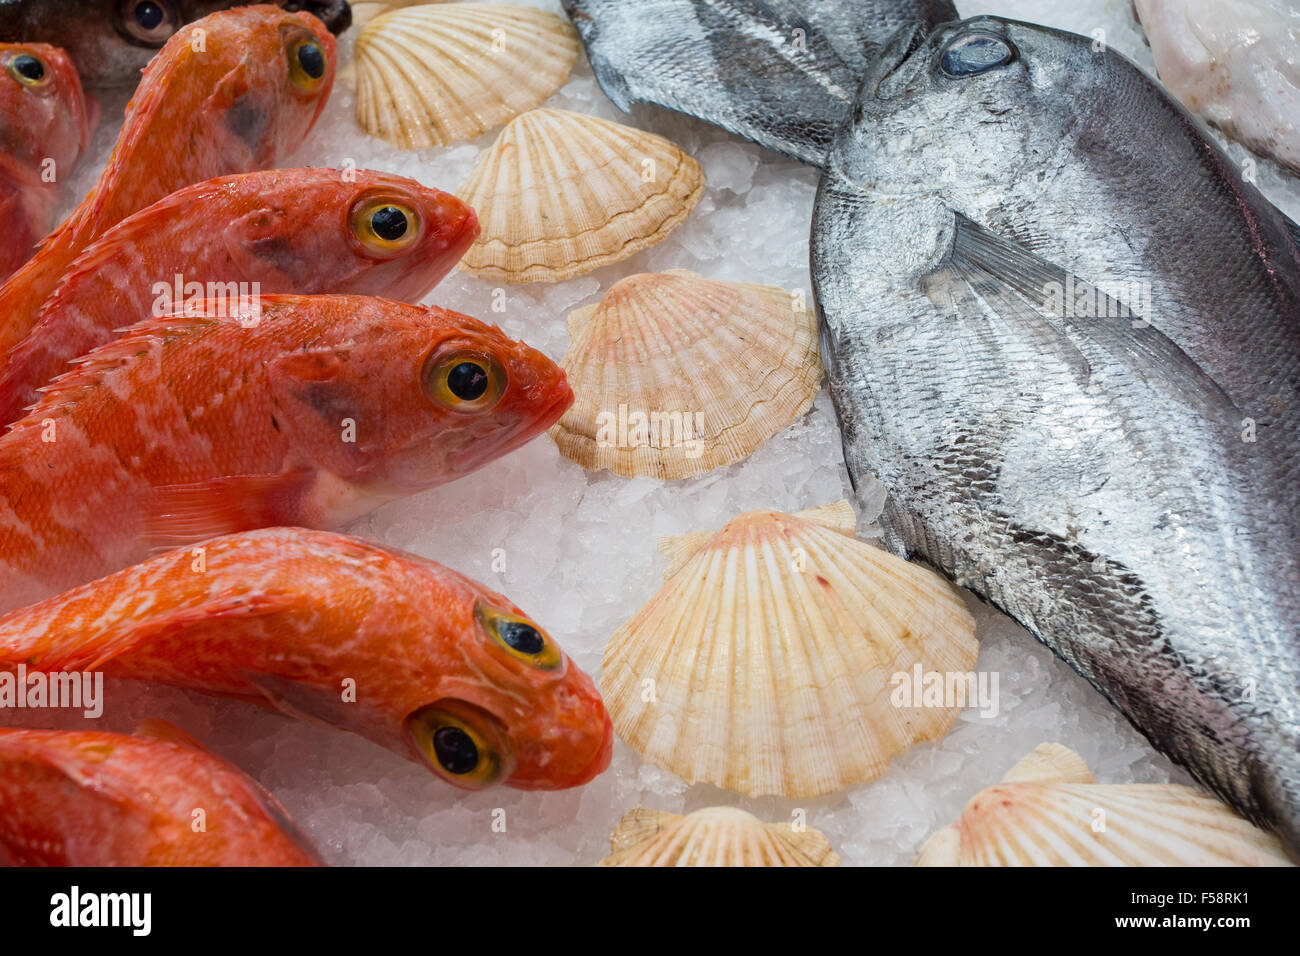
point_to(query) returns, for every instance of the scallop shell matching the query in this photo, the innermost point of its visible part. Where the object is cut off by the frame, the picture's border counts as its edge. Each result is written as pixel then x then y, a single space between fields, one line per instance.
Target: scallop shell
pixel 715 836
pixel 769 662
pixel 560 194
pixel 435 74
pixel 1045 812
pixel 675 375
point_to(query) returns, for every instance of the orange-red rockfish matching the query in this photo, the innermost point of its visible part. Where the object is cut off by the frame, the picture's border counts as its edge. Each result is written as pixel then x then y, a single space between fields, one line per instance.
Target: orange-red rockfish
pixel 236 91
pixel 388 645
pixel 83 798
pixel 289 230
pixel 45 125
pixel 310 411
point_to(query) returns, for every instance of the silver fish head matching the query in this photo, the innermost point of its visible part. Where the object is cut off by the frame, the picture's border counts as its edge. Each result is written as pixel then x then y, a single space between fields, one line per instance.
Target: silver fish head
pixel 931 101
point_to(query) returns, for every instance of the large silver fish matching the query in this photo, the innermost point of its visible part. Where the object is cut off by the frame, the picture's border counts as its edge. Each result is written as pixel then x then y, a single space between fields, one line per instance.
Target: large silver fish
pixel 110 41
pixel 779 72
pixel 1065 334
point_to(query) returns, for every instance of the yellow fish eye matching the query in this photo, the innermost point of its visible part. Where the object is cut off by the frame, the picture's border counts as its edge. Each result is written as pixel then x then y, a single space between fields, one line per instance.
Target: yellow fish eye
pixel 520 638
pixel 465 381
pixel 384 227
pixel 26 69
pixel 464 744
pixel 307 64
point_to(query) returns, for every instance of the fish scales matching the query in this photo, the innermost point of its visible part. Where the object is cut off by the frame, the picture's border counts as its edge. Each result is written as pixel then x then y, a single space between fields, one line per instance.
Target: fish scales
pixel 286 616
pixel 277 231
pixel 192 426
pixel 1114 465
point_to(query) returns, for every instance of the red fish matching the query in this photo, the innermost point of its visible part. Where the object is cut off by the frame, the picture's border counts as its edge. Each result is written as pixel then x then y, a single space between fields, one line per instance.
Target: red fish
pixel 45 125
pixel 77 798
pixel 234 92
pixel 293 230
pixel 388 645
pixel 192 426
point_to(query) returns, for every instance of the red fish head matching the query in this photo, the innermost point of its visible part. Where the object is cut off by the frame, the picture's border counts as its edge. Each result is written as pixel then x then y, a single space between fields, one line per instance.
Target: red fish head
pixel 270 72
pixel 515 710
pixel 433 395
pixel 368 232
pixel 43 112
pixel 410 236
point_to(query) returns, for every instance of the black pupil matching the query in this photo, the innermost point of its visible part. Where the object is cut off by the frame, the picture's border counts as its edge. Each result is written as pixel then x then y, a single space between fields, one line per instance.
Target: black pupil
pixel 149 15
pixel 389 223
pixel 974 54
pixel 467 381
pixel 523 637
pixel 29 67
pixel 456 751
pixel 311 60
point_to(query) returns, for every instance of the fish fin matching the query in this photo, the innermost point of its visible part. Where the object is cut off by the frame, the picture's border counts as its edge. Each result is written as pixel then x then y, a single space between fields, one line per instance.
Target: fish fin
pixel 183 514
pixel 89 370
pixel 984 272
pixel 160 729
pixel 758 69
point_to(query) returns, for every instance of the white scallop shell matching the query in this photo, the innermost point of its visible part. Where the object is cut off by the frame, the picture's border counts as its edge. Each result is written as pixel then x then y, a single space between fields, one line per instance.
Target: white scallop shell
pixel 714 836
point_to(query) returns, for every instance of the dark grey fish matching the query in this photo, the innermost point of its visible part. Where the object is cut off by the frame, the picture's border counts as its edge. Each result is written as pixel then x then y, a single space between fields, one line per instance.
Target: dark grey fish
pixel 779 72
pixel 1065 335
pixel 110 41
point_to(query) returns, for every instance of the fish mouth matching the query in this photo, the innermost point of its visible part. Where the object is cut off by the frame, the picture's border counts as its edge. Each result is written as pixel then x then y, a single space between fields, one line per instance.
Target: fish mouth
pixel 335 14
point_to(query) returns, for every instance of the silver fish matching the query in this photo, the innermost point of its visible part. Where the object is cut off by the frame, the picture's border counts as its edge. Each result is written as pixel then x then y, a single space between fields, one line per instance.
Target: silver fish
pixel 1065 335
pixel 779 72
pixel 110 41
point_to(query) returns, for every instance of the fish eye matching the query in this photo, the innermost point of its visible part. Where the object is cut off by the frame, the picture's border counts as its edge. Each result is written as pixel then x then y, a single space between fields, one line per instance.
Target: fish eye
pixel 307 64
pixel 520 638
pixel 975 53
pixel 147 22
pixel 385 228
pixel 465 381
pixel 27 69
pixel 464 744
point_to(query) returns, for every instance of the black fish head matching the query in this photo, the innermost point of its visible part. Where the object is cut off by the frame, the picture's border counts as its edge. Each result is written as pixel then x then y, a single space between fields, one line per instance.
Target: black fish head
pixel 978 102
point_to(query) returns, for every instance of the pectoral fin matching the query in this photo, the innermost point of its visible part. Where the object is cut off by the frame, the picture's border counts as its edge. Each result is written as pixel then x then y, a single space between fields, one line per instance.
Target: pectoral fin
pixel 987 275
pixel 184 514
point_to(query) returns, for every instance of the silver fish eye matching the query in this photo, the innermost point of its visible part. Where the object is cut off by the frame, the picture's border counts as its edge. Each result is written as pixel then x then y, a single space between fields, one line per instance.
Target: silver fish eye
pixel 975 53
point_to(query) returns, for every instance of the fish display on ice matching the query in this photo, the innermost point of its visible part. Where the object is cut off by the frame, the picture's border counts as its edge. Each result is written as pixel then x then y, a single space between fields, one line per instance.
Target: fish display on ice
pixel 275 231
pixel 1065 334
pixel 310 410
pixel 87 798
pixel 238 97
pixel 780 72
pixel 45 124
pixel 1234 62
pixel 111 41
pixel 390 646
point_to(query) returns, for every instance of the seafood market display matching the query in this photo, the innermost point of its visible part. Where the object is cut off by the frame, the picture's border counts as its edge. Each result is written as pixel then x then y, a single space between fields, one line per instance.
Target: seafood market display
pixel 432 75
pixel 312 411
pixel 295 230
pixel 675 375
pixel 1050 280
pixel 45 125
pixel 716 836
pixel 560 194
pixel 1047 811
pixel 443 670
pixel 83 798
pixel 765 664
